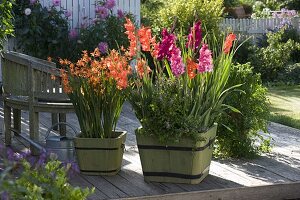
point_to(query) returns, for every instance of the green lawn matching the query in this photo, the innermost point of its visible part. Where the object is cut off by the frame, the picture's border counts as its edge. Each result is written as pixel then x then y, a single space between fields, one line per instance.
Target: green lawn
pixel 285 105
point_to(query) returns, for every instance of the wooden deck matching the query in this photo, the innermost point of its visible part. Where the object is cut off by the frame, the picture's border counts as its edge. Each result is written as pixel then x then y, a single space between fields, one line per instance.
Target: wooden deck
pixel 280 166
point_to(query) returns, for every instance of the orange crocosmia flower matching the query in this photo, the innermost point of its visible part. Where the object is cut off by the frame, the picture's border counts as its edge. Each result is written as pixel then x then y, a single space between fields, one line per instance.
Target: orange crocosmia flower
pixel 142 68
pixel 65 81
pixel 130 32
pixel 145 36
pixel 191 67
pixel 155 47
pixel 96 53
pixel 49 59
pixel 228 43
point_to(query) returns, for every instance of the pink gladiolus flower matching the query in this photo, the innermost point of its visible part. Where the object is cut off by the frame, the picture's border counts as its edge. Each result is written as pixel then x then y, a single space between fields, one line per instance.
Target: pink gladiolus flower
pixel 68 13
pixel 195 36
pixel 103 47
pixel 120 13
pixel 73 33
pixel 166 46
pixel 110 4
pixel 177 65
pixel 205 60
pixel 102 12
pixel 56 2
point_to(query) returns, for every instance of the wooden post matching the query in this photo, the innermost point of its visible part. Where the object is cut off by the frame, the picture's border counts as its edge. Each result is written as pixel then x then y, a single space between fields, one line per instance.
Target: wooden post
pixel 17 120
pixel 7 124
pixel 54 119
pixel 34 130
pixel 62 127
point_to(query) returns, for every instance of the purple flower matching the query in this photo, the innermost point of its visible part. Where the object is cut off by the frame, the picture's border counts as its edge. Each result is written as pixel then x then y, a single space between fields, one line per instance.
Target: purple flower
pixel 205 60
pixel 56 2
pixel 5 195
pixel 68 13
pixel 166 46
pixel 177 65
pixel 73 33
pixel 10 154
pixel 120 13
pixel 103 47
pixel 110 4
pixel 102 12
pixel 32 2
pixel 195 36
pixel 42 159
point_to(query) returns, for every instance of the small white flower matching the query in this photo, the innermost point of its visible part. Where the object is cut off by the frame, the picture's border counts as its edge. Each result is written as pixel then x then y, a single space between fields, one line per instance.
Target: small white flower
pixel 27 11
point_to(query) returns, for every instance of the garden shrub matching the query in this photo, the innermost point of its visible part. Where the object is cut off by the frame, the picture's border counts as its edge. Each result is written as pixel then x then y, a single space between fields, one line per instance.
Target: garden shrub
pixel 290 75
pixel 238 132
pixel 44 32
pixel 243 55
pixel 209 12
pixel 272 60
pixel 26 177
pixel 105 34
pixel 149 9
pixel 6 25
pixel 41 32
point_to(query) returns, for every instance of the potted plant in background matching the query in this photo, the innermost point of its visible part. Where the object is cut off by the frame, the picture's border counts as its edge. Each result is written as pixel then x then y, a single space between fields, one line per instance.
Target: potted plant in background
pixel 178 102
pixel 96 87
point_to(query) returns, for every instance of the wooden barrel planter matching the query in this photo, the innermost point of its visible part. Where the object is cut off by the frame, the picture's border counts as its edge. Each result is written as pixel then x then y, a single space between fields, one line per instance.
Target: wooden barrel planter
pixel 185 162
pixel 98 156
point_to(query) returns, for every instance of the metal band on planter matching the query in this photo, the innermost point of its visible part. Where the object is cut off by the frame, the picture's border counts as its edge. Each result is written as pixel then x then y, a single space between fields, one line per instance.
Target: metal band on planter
pixel 210 142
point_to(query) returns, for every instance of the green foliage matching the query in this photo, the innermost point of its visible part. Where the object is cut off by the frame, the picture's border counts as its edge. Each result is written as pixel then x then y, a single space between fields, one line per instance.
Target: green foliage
pixel 208 11
pixel 45 32
pixel 245 51
pixel 163 114
pixel 272 59
pixel 149 10
pixel 285 120
pixel 237 138
pixel 291 4
pixel 42 32
pixel 29 178
pixel 290 75
pixel 6 25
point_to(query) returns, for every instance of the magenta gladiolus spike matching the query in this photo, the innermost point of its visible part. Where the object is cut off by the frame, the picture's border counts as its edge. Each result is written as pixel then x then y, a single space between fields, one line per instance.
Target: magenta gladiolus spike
pixel 195 36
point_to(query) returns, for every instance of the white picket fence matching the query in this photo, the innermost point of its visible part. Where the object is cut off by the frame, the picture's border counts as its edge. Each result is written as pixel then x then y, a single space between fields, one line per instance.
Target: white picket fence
pixel 83 11
pixel 256 26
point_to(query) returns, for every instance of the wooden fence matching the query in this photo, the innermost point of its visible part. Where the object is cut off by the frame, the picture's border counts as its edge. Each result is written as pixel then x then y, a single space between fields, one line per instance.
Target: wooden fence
pixel 83 11
pixel 257 26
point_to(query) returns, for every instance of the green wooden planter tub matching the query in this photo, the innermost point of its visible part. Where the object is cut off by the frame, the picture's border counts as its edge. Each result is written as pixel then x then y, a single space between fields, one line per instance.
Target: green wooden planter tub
pixel 184 162
pixel 98 156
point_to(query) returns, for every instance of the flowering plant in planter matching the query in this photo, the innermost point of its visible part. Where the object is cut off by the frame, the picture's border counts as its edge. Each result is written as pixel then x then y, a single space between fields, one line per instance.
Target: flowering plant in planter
pixel 183 95
pixel 178 101
pixel 96 87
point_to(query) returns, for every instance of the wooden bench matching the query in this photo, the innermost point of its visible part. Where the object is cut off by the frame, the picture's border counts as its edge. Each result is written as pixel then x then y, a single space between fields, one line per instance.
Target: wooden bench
pixel 35 85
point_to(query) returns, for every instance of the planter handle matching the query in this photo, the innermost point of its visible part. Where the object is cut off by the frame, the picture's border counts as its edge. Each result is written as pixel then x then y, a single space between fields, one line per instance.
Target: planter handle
pixel 60 123
pixel 123 147
pixel 211 142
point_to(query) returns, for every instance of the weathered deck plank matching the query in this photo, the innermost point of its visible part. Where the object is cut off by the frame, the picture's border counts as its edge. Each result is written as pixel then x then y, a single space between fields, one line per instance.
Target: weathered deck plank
pixel 280 166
